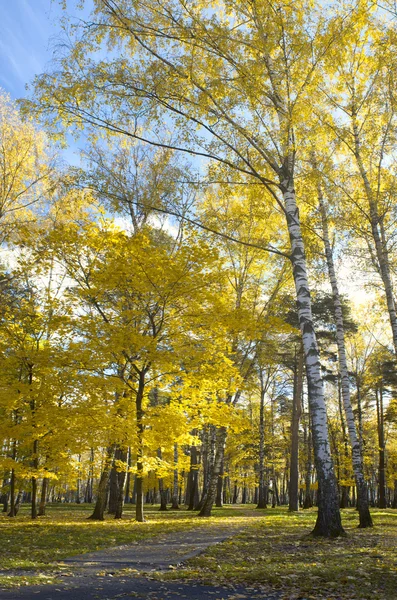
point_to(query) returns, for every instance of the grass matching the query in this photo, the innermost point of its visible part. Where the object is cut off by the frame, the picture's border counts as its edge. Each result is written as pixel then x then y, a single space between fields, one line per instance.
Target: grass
pixel 274 551
pixel 36 546
pixel 279 554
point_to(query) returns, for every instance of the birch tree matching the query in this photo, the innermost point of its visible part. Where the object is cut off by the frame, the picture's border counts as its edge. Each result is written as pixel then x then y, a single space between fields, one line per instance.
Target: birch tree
pixel 357 457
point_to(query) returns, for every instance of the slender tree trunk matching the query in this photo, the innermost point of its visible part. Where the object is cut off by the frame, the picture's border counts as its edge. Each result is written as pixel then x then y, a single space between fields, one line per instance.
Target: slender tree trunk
pixel 193 479
pixel 381 443
pixel 121 476
pixel 376 229
pixel 43 497
pixel 139 516
pixel 328 522
pixel 128 479
pixel 174 500
pixel 113 485
pixel 357 457
pixel 162 491
pixel 35 463
pixel 208 454
pixel 12 512
pixel 219 488
pixel 262 488
pixel 100 505
pixel 215 471
pixel 293 489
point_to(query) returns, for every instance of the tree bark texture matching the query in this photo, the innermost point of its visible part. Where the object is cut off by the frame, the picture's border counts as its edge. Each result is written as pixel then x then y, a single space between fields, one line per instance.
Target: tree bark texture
pixel 100 504
pixel 328 522
pixel 293 488
pixel 206 509
pixel 357 457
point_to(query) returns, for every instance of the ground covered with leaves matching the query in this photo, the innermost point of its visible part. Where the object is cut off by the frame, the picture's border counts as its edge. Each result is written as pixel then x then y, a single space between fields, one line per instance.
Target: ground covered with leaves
pixel 274 551
pixel 278 552
pixel 30 550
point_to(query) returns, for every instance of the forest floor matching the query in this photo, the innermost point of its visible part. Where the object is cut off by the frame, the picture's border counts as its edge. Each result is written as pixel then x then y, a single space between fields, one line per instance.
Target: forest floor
pixel 270 551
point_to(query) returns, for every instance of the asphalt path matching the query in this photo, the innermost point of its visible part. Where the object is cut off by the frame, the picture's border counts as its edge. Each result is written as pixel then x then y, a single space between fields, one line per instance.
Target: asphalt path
pixel 125 572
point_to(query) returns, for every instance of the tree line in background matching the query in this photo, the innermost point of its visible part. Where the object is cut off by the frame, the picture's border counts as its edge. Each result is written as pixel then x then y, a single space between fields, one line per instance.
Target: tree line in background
pixel 172 324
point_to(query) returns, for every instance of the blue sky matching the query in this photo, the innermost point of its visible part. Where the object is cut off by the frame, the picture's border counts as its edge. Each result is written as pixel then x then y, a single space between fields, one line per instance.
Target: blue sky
pixel 28 29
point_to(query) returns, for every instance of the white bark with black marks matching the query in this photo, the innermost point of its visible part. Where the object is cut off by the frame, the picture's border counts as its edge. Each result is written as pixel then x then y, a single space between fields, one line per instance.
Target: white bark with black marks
pixel 328 519
pixel 357 458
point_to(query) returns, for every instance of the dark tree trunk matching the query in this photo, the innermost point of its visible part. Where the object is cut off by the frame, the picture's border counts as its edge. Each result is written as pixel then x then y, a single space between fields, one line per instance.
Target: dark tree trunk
pixel 219 488
pixel 100 505
pixel 121 473
pixel 113 487
pixel 128 479
pixel 162 491
pixel 139 516
pixel 192 499
pixel 235 493
pixel 219 454
pixel 296 415
pixel 381 441
pixel 35 463
pixel 43 497
pixel 175 482
pixel 262 493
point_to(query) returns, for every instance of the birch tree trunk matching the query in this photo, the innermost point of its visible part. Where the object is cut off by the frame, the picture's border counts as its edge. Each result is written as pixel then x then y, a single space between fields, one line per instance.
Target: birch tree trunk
pixel 328 522
pixel 357 457
pixel 376 230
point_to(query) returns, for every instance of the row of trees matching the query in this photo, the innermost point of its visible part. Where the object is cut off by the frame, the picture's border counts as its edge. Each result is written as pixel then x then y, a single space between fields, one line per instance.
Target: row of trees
pixel 156 324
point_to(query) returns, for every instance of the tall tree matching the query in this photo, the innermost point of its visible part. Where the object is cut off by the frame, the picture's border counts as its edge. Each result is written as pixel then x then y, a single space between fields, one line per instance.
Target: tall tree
pixel 254 129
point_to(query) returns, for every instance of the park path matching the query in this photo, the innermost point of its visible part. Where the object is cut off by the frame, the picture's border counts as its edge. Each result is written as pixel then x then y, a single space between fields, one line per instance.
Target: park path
pixel 99 575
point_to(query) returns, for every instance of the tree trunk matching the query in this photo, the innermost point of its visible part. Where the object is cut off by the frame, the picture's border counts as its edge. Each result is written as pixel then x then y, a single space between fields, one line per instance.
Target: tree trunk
pixel 100 505
pixel 328 522
pixel 262 489
pixel 12 512
pixel 139 516
pixel 192 499
pixel 208 454
pixel 381 442
pixel 35 463
pixel 215 471
pixel 162 491
pixel 219 488
pixel 43 497
pixel 121 475
pixel 128 479
pixel 357 457
pixel 113 486
pixel 174 500
pixel 293 489
pixel 376 223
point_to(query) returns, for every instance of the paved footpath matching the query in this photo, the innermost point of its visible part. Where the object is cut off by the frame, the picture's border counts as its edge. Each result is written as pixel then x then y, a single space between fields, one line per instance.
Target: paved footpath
pixel 99 575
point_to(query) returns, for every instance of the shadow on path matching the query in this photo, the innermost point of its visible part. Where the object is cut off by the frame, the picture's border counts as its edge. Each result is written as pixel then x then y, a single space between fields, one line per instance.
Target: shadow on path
pixel 98 575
